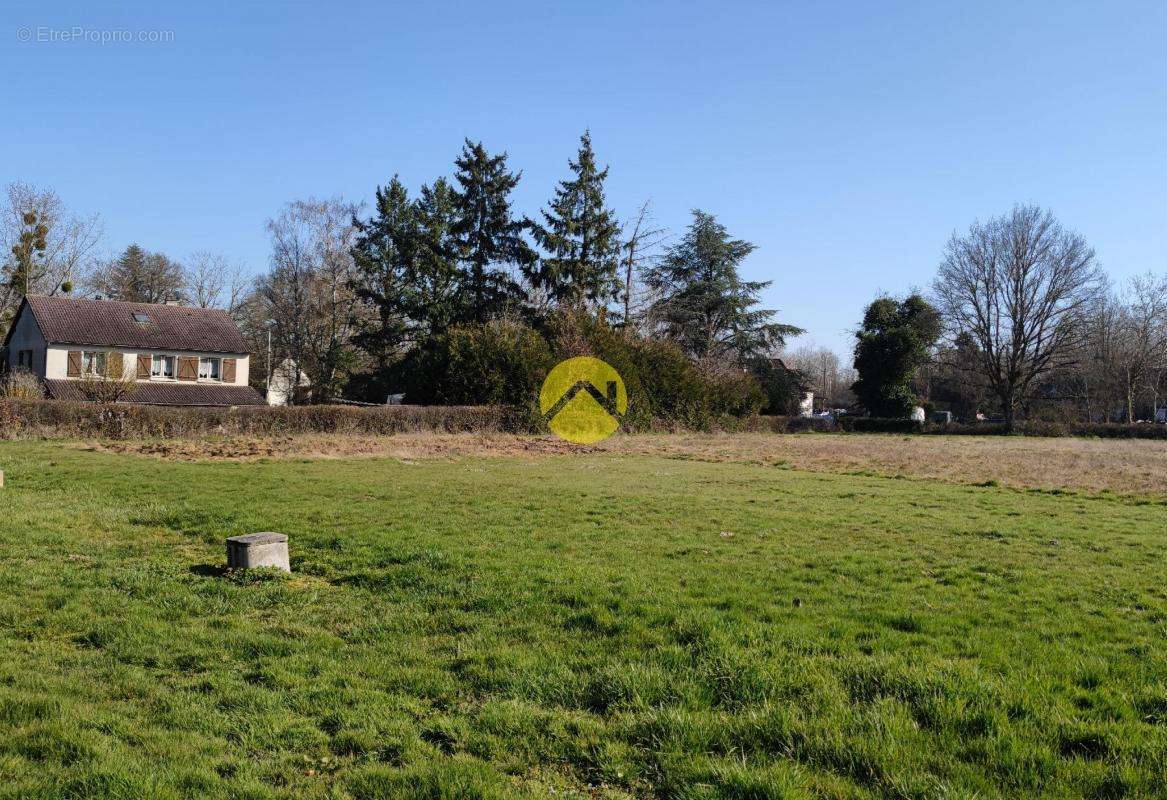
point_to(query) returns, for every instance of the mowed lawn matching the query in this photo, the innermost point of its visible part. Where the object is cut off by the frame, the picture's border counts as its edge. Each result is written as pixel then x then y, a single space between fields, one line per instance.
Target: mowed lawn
pixel 596 625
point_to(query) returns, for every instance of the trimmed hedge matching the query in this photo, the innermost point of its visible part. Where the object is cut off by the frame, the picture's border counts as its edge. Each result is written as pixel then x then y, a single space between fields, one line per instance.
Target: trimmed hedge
pixel 57 419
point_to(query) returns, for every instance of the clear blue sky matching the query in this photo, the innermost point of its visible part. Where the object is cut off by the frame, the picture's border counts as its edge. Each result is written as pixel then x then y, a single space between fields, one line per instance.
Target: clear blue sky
pixel 846 140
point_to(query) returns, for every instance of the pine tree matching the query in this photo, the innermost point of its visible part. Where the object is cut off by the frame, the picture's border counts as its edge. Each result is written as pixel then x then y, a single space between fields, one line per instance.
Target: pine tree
pixel 580 236
pixel 486 234
pixel 435 293
pixel 406 260
pixel 382 255
pixel 704 305
pixel 139 276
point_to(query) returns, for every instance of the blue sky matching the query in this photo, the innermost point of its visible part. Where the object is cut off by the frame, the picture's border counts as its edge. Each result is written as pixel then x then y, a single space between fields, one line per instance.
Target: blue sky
pixel 847 141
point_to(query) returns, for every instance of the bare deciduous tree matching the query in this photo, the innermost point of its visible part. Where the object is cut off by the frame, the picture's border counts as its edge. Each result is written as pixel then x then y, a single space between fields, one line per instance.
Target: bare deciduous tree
pixel 1018 285
pixel 830 378
pixel 69 242
pixel 639 250
pixel 1126 335
pixel 215 281
pixel 307 295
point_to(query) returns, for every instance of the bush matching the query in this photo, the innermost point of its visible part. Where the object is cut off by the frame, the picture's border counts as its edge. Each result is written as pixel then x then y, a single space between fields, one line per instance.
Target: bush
pixel 664 386
pixel 500 363
pixel 22 385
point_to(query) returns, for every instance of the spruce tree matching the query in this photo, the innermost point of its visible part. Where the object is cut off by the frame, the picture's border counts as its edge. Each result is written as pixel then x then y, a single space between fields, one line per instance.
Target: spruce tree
pixel 486 234
pixel 435 293
pixel 580 236
pixel 406 260
pixel 382 254
pixel 704 305
pixel 139 276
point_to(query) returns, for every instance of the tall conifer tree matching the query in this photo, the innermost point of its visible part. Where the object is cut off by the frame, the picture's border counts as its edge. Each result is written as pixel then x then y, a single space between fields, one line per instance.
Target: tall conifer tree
pixel 580 236
pixel 704 305
pixel 486 234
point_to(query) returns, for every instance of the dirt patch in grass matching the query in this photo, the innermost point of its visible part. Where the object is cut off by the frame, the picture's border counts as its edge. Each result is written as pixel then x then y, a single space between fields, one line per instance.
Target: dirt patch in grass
pixel 1117 465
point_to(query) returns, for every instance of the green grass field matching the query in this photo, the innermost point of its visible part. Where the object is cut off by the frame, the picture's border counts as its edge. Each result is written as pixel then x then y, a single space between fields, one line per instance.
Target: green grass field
pixel 576 626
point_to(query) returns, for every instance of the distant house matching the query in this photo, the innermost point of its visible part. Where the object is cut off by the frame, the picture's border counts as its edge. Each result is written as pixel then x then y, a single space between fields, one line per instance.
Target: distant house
pixel 177 356
pixel 806 403
pixel 283 388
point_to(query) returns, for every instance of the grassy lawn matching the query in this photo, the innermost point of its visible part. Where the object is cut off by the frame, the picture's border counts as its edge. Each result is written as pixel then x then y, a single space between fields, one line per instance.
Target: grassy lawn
pixel 600 625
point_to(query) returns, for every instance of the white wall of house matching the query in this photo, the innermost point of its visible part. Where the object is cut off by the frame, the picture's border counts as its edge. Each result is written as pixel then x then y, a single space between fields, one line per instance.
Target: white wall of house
pixel 57 361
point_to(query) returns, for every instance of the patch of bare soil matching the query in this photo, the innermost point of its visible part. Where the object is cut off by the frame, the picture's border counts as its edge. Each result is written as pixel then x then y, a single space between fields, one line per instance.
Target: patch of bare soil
pixel 1124 466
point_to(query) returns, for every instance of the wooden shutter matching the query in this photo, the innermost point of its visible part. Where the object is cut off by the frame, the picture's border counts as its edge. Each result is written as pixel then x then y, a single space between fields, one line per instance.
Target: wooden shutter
pixel 188 368
pixel 229 370
pixel 73 369
pixel 143 366
pixel 115 366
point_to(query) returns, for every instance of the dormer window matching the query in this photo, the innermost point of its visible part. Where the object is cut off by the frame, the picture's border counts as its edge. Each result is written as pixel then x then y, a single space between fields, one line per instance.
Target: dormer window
pixel 141 318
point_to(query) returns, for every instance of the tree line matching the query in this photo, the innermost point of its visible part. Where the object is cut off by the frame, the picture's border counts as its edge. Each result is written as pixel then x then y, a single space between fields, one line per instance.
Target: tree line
pixel 1019 321
pixel 359 300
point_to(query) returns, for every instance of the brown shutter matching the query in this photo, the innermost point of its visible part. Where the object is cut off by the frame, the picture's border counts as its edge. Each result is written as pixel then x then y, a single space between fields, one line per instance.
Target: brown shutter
pixel 188 368
pixel 229 370
pixel 115 366
pixel 143 366
pixel 74 366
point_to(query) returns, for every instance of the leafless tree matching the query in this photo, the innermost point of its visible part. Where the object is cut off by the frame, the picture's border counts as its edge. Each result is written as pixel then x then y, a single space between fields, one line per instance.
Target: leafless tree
pixel 1126 335
pixel 641 246
pixel 69 243
pixel 1018 285
pixel 829 376
pixel 215 281
pixel 306 295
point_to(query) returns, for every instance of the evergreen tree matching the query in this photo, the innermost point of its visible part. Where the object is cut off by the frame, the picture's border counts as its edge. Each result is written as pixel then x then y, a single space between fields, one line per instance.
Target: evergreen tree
pixel 580 236
pixel 486 234
pixel 139 276
pixel 894 342
pixel 435 293
pixel 704 305
pixel 407 269
pixel 382 257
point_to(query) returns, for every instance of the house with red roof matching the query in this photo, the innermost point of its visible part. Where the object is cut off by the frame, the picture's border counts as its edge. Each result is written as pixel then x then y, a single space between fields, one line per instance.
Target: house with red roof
pixel 174 355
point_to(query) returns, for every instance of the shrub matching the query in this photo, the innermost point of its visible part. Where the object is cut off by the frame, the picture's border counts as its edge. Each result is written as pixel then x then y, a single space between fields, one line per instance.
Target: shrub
pixel 502 362
pixel 664 386
pixel 22 385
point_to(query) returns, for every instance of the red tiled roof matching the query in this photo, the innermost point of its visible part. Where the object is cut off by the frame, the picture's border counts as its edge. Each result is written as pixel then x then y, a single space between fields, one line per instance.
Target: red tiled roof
pixel 111 323
pixel 159 393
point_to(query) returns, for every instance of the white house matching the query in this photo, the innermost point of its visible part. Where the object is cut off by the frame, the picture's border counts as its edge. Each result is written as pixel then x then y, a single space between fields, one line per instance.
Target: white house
pixel 176 355
pixel 280 389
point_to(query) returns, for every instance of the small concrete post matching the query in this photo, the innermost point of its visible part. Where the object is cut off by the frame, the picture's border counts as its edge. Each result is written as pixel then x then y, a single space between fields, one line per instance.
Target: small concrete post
pixel 265 549
pixel 1 479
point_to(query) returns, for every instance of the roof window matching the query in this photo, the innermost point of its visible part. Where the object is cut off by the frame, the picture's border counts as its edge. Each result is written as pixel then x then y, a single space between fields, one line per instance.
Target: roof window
pixel 141 318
